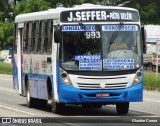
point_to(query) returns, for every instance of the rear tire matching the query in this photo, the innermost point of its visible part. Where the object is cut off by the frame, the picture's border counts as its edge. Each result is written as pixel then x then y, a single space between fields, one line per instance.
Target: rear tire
pixel 30 101
pixel 122 108
pixel 42 103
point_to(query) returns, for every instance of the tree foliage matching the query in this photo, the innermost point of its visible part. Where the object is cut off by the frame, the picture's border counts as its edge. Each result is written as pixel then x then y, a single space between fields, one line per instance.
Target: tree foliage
pixel 6 28
pixel 148 9
pixel 149 12
pixel 4 8
pixel 66 3
pixel 6 34
pixel 30 6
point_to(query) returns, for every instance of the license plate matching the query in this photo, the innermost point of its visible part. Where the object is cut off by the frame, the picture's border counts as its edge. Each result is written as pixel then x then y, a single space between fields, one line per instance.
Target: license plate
pixel 102 95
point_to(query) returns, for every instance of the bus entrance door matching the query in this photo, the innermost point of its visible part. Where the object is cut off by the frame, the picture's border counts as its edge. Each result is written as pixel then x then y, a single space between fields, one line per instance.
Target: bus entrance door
pixel 19 56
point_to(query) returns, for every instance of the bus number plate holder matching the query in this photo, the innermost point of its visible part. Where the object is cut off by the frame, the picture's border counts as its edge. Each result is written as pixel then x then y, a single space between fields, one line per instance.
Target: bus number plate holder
pixel 102 95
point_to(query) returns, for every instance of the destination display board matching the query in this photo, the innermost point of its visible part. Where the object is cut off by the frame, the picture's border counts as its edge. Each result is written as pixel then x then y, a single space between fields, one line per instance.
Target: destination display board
pixel 99 15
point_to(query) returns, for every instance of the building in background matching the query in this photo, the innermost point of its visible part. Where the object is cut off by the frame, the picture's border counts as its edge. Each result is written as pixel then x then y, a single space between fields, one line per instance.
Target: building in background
pixel 153 34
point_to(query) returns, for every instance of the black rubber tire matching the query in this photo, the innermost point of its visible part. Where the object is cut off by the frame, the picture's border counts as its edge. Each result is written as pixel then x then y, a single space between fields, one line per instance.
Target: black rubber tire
pixel 30 101
pixel 87 106
pixel 97 106
pixel 57 108
pixel 41 103
pixel 122 108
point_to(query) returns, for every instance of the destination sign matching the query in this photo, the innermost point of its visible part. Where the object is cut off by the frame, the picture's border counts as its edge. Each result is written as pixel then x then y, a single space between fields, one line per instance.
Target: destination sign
pixel 99 15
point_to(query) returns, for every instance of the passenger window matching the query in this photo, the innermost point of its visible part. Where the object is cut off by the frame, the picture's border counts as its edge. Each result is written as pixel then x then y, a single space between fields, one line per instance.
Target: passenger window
pixel 49 29
pixel 15 39
pixel 39 37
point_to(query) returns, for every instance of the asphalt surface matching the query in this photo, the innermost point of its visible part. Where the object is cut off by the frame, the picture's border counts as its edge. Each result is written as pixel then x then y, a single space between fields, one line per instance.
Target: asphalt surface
pixel 13 107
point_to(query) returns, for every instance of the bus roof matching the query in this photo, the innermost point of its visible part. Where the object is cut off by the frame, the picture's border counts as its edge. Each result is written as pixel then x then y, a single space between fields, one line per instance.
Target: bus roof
pixel 55 13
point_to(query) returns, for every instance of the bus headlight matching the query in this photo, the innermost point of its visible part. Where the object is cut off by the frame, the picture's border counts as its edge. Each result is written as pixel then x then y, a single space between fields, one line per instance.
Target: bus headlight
pixel 138 77
pixel 65 77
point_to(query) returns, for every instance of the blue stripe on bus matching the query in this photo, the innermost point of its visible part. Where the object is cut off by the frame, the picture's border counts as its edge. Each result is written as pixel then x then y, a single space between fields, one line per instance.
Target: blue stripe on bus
pixel 15 73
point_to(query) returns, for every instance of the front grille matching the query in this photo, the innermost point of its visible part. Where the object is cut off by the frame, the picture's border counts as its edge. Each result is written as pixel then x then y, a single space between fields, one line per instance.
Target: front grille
pixel 98 86
pixel 102 82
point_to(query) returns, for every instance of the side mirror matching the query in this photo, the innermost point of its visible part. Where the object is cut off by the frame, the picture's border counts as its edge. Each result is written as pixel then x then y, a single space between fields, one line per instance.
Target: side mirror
pixel 57 35
pixel 143 32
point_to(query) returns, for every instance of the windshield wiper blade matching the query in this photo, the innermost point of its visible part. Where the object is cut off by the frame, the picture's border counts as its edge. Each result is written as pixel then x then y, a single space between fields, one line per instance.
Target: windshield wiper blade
pixel 83 26
pixel 114 35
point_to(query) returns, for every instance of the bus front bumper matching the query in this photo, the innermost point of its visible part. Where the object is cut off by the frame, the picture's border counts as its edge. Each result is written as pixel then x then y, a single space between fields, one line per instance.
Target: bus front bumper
pixel 69 94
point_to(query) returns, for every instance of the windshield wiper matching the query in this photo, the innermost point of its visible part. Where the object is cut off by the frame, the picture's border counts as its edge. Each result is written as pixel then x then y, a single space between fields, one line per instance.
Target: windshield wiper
pixel 114 35
pixel 83 26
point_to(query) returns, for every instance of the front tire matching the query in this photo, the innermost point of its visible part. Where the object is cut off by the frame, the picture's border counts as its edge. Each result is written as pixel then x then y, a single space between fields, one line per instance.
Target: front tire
pixel 122 108
pixel 57 108
pixel 87 106
pixel 97 106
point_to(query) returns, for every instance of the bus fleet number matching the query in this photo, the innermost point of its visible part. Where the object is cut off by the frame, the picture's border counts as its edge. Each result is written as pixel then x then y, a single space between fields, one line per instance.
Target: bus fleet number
pixel 93 34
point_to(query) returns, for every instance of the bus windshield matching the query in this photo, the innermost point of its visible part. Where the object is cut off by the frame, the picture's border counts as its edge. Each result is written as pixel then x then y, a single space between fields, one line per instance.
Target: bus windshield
pixel 101 47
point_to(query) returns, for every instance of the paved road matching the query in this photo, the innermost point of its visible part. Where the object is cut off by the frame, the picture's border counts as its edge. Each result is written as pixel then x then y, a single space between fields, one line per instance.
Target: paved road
pixel 12 105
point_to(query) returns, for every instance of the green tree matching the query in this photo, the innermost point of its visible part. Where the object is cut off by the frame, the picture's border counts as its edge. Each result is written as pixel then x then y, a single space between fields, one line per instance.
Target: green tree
pixel 66 3
pixel 6 34
pixel 148 9
pixel 4 10
pixel 6 27
pixel 30 6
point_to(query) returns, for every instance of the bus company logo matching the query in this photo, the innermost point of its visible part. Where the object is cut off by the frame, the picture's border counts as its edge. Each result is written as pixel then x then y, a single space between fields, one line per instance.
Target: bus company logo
pixel 103 85
pixel 6 120
pixel 98 15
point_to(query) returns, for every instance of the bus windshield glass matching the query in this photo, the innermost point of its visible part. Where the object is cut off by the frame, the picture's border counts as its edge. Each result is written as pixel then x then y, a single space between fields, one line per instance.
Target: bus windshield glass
pixel 100 47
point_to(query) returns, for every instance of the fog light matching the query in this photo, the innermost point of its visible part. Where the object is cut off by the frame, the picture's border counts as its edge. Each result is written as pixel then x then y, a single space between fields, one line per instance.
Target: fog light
pixel 136 80
pixel 66 81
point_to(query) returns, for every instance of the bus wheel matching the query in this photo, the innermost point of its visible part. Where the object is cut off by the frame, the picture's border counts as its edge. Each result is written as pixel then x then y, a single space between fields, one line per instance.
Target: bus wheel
pixel 42 103
pixel 57 108
pixel 122 108
pixel 30 100
pixel 97 106
pixel 86 105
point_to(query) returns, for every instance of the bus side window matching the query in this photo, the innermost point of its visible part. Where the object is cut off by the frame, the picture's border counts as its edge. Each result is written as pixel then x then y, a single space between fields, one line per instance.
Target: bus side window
pixel 49 33
pixel 42 36
pixel 50 37
pixel 15 39
pixel 46 37
pixel 36 36
pixel 27 36
pixel 39 37
pixel 30 37
pixel 24 38
pixel 33 37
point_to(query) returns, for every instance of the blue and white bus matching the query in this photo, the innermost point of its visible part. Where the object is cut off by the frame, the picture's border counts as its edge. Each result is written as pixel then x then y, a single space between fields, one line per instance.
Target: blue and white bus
pixel 89 55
